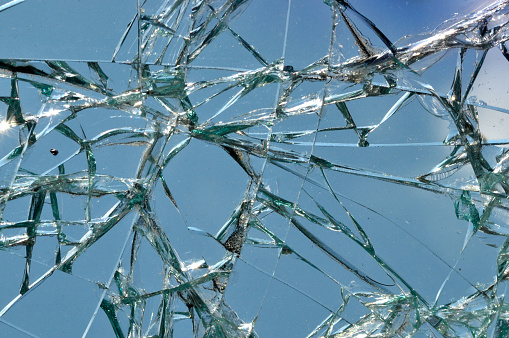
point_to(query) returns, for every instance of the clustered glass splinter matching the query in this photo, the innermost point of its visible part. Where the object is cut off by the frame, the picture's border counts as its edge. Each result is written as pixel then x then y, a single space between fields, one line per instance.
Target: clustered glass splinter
pixel 234 171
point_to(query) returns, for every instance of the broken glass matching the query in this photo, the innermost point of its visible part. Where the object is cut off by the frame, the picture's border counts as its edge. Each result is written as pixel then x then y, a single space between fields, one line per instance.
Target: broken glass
pixel 234 168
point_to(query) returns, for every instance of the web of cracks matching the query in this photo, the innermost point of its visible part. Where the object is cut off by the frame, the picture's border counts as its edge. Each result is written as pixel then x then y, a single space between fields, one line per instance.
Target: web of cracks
pixel 164 114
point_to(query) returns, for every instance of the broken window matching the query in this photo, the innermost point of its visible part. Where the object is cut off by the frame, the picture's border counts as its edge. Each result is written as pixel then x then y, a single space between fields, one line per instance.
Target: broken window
pixel 254 168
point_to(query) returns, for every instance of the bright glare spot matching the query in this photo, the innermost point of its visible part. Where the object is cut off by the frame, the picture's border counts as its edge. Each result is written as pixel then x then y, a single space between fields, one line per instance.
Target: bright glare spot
pixel 247 327
pixel 51 112
pixel 4 126
pixel 195 265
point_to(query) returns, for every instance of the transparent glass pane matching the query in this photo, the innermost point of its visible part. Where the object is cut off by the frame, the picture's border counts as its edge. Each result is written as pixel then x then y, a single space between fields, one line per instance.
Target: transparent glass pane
pixel 264 168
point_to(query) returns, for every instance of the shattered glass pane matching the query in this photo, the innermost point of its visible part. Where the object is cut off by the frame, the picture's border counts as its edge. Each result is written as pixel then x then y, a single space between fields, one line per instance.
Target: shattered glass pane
pixel 236 168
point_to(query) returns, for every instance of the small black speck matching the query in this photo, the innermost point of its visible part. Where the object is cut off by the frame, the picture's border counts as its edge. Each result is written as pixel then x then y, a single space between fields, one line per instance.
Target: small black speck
pixel 54 152
pixel 288 69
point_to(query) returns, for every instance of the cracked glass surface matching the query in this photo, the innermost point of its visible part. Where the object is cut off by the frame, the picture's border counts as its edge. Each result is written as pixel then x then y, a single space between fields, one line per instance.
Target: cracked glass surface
pixel 233 168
